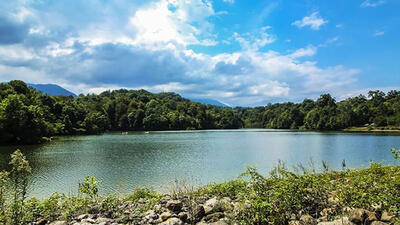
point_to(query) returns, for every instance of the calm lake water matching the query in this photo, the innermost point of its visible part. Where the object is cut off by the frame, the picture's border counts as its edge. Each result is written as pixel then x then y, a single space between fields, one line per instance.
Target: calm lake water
pixel 156 159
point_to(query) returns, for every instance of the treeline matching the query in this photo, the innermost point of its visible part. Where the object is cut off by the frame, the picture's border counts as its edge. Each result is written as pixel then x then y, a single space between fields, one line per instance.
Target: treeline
pixel 379 110
pixel 27 115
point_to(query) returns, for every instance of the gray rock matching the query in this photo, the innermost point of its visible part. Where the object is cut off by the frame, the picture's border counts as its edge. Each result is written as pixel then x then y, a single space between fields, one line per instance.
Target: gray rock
pixel 378 223
pixel 342 221
pixel 172 221
pixel 358 216
pixel 174 205
pixel 221 222
pixel 81 217
pixel 165 215
pixel 59 223
pixel 183 216
pixel 199 213
pixel 386 217
pixel 308 220
pixel 212 205
pixel 88 220
pixel 103 220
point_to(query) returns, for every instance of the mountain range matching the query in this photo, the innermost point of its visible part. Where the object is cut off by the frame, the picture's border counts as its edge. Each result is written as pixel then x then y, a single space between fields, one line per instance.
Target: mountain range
pixel 54 90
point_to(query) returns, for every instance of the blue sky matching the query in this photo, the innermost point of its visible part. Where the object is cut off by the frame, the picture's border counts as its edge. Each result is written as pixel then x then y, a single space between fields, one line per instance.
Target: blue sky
pixel 241 52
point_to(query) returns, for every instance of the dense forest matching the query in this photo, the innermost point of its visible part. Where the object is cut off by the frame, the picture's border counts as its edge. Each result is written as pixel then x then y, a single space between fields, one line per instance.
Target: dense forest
pixel 27 115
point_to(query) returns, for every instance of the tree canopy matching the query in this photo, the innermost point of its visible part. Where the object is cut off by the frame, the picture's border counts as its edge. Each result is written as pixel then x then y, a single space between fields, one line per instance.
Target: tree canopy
pixel 26 115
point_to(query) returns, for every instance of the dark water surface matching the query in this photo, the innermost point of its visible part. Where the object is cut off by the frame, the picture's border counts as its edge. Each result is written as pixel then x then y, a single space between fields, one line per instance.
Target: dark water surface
pixel 156 159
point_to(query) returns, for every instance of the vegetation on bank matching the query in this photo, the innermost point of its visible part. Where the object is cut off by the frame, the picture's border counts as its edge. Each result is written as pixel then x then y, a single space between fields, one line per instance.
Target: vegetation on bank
pixel 282 196
pixel 27 115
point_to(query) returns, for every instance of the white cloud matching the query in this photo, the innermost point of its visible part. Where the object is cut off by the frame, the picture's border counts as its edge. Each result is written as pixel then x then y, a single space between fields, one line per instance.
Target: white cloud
pixel 315 21
pixel 151 49
pixel 302 52
pixel 372 3
pixel 171 21
pixel 270 89
pixel 229 1
pixel 255 41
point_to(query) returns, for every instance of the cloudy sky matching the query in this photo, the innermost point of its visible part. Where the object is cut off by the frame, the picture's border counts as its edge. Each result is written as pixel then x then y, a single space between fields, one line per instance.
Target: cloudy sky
pixel 241 52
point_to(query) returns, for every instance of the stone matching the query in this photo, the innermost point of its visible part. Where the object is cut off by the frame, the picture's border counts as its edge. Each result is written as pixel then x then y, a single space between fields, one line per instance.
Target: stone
pixel 88 220
pixel 358 216
pixel 199 213
pixel 212 205
pixel 59 223
pixel 220 222
pixel 295 222
pixel 165 215
pixel 308 220
pixel 214 216
pixel 172 221
pixel 41 222
pixel 378 223
pixel 183 216
pixel 386 217
pixel 174 205
pixel 327 212
pixel 342 221
pixel 83 216
pixel 370 216
pixel 103 220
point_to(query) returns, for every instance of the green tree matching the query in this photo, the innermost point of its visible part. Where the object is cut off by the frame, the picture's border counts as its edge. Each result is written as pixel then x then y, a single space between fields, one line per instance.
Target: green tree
pixel 19 175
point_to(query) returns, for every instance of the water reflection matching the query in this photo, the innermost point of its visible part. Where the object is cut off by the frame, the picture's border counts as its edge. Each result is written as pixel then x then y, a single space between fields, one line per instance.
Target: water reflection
pixel 157 158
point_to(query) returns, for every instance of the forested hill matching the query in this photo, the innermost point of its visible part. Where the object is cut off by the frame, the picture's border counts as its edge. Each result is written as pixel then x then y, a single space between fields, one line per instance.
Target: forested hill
pixel 27 115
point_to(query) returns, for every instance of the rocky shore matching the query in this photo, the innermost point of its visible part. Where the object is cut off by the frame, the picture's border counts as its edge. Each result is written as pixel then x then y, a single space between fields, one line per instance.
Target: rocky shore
pixel 211 211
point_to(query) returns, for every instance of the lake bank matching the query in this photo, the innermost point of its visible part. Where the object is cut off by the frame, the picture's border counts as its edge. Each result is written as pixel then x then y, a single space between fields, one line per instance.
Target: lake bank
pixel 364 196
pixel 373 129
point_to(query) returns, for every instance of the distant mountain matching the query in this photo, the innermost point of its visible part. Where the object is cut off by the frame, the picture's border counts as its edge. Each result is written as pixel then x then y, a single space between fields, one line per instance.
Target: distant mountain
pixel 52 89
pixel 208 101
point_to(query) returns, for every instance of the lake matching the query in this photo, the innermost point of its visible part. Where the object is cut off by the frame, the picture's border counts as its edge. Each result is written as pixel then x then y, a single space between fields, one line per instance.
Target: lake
pixel 156 159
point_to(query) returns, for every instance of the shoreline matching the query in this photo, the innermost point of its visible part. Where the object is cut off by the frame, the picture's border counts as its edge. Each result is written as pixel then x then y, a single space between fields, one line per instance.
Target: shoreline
pixel 303 198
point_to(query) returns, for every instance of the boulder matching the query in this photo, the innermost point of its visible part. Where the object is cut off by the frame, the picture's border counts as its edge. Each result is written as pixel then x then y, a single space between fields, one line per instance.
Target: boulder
pixel 199 213
pixel 342 221
pixel 59 223
pixel 220 222
pixel 212 205
pixel 308 220
pixel 165 215
pixel 172 221
pixel 103 220
pixel 386 217
pixel 358 216
pixel 379 223
pixel 174 205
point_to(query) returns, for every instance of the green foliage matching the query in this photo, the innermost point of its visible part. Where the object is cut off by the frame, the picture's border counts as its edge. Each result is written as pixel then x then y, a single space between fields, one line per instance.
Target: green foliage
pixel 276 198
pixel 4 182
pixel 27 115
pixel 380 110
pixel 89 187
pixel 396 153
pixel 19 175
